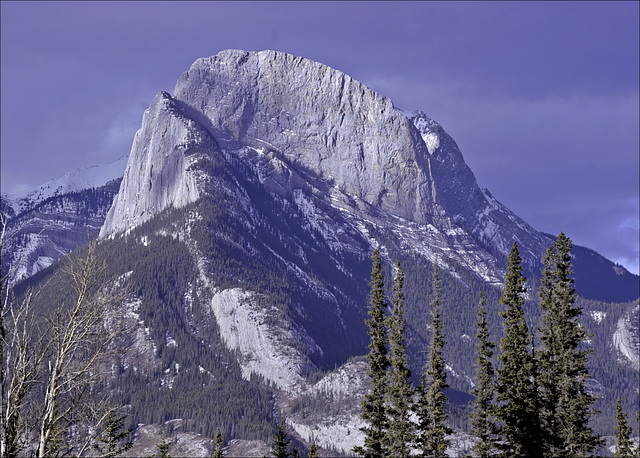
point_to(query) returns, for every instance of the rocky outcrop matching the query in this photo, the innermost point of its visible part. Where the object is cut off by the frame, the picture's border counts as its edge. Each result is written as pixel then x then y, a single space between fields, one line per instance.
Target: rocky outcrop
pixel 626 338
pixel 264 348
pixel 321 121
pixel 162 170
pixel 473 209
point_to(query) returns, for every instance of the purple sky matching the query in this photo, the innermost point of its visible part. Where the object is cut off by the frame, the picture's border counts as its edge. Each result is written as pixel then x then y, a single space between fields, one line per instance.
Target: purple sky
pixel 542 97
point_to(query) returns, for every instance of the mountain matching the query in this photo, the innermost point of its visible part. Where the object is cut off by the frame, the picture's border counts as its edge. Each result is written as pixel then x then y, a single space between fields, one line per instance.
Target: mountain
pixel 300 125
pixel 74 181
pixel 243 227
pixel 57 217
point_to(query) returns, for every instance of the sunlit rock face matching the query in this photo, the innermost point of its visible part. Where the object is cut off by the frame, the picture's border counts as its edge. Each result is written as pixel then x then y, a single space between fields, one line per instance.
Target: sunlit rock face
pixel 161 170
pixel 299 123
pixel 319 120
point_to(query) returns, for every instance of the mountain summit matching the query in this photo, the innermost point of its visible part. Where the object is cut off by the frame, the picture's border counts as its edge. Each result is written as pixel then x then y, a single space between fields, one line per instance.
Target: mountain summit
pixel 301 125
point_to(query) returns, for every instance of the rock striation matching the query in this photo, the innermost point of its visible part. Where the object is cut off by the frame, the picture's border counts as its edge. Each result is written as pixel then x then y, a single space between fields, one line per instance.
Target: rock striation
pixel 302 124
pixel 319 120
pixel 159 173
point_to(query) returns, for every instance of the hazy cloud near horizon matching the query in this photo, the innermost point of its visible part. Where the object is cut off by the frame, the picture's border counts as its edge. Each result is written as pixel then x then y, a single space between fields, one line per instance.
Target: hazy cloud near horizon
pixel 541 97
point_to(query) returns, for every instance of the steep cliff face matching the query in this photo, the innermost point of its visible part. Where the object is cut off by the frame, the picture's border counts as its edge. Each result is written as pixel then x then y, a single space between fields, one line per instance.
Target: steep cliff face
pixel 160 170
pixel 475 210
pixel 318 120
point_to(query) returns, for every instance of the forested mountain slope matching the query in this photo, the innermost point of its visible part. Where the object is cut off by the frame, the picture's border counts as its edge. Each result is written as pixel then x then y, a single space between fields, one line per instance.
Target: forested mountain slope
pixel 242 231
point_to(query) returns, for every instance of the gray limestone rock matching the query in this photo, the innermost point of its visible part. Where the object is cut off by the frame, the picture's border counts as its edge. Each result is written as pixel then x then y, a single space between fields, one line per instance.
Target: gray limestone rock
pixel 321 122
pixel 161 171
pixel 297 123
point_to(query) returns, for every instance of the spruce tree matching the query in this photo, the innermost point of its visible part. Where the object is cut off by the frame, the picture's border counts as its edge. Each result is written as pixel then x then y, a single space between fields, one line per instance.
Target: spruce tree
pixel 109 443
pixel 373 406
pixel 163 449
pixel 400 433
pixel 431 407
pixel 313 451
pixel 281 442
pixel 623 434
pixel 566 405
pixel 518 403
pixel 483 415
pixel 219 444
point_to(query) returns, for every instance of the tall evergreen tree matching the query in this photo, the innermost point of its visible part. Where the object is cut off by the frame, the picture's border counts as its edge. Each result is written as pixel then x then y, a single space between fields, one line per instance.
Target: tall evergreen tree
pixel 163 449
pixel 623 434
pixel 483 414
pixel 281 442
pixel 431 406
pixel 374 411
pixel 313 451
pixel 110 443
pixel 400 433
pixel 517 397
pixel 219 444
pixel 566 405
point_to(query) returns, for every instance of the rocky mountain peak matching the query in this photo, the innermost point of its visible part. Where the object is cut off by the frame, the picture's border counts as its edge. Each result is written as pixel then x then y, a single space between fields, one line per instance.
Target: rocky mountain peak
pixel 299 124
pixel 160 170
pixel 302 123
pixel 317 119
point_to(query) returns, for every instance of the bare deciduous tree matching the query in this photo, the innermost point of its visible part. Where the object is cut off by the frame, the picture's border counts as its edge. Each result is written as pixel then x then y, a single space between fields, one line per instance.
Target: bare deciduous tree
pixel 80 340
pixel 52 352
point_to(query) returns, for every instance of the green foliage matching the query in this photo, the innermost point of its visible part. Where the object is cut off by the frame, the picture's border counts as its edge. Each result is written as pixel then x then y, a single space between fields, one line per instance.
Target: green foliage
pixel 281 442
pixel 623 434
pixel 373 406
pixel 163 449
pixel 212 391
pixel 400 434
pixel 111 442
pixel 566 405
pixel 163 273
pixel 313 451
pixel 611 376
pixel 518 403
pixel 483 415
pixel 431 405
pixel 219 444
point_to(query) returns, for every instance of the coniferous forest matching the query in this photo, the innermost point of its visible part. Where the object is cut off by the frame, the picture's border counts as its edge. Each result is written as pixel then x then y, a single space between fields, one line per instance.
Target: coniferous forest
pixel 528 387
pixel 531 393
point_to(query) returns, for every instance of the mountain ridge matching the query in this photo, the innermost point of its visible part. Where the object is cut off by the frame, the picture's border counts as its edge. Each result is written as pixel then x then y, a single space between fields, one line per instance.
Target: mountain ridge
pixel 244 224
pixel 261 108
